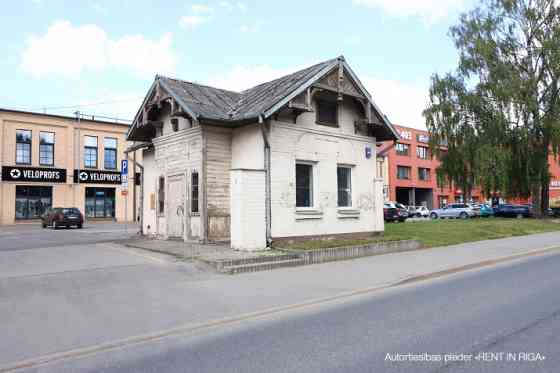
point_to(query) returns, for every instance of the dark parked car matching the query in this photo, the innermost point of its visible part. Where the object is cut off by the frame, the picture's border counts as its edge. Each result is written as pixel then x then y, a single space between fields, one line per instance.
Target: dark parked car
pixel 513 211
pixel 62 217
pixel 403 212
pixel 390 212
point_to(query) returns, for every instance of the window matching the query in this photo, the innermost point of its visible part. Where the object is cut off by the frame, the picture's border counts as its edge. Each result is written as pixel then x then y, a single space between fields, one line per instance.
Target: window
pixel 23 147
pixel 403 172
pixel 422 152
pixel 46 148
pixel 90 152
pixel 327 113
pixel 423 174
pixel 344 182
pixel 161 195
pixel 304 185
pixel 194 192
pixel 110 146
pixel 380 165
pixel 402 149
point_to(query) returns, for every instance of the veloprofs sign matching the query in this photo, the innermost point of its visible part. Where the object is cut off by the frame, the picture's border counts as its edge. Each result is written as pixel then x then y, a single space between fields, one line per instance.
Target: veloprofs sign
pixel 16 173
pixel 97 177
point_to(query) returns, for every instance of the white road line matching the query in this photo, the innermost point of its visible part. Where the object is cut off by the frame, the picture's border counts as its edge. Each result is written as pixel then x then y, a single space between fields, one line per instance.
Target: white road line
pixel 131 251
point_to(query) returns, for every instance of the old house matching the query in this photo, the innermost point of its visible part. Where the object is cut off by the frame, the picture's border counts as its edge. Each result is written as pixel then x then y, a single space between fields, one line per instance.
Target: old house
pixel 291 158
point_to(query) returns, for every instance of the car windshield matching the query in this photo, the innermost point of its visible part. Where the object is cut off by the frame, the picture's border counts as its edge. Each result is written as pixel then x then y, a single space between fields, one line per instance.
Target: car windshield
pixel 70 211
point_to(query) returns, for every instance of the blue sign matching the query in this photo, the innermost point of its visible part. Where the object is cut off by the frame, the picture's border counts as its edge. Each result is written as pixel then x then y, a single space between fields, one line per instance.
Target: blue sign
pixel 124 167
pixel 368 152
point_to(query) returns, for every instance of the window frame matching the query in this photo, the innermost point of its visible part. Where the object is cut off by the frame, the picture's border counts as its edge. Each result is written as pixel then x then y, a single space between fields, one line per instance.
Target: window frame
pixel 425 149
pixel 86 147
pixel 404 167
pixel 312 179
pixel 402 153
pixel 348 189
pixel 161 196
pixel 29 144
pixel 41 145
pixel 428 176
pixel 322 101
pixel 195 189
pixel 110 149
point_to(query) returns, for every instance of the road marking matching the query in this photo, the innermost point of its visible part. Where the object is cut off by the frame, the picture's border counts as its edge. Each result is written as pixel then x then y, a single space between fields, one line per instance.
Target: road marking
pixel 191 328
pixel 130 251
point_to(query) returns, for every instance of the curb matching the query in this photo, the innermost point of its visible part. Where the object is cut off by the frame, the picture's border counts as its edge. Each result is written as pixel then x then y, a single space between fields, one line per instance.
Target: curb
pixel 190 328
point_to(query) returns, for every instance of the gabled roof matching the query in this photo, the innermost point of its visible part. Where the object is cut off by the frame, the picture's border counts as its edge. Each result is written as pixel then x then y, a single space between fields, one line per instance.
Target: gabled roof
pixel 204 102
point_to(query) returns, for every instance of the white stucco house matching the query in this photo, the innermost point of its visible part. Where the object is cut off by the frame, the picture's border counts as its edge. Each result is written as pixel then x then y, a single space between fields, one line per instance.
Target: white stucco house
pixel 288 159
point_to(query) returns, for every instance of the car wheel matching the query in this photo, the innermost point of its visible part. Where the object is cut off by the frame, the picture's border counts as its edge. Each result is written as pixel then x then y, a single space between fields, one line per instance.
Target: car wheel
pixel 433 215
pixel 43 225
pixel 463 215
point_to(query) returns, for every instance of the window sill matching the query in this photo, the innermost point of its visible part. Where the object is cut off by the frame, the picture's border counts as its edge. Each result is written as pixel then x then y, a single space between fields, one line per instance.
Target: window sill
pixel 335 125
pixel 308 213
pixel 348 213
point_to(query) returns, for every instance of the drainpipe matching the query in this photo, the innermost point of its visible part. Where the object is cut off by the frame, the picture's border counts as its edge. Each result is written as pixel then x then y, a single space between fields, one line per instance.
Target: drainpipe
pixel 268 218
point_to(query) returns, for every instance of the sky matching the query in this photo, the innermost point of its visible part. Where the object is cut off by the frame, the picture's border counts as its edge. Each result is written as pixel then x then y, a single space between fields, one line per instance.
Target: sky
pixel 100 57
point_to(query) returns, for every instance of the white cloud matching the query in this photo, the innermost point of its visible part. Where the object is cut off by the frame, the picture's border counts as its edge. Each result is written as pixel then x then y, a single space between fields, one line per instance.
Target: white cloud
pixel 242 6
pixel 429 10
pixel 67 51
pixel 226 4
pixel 402 102
pixel 248 28
pixel 201 8
pixel 192 21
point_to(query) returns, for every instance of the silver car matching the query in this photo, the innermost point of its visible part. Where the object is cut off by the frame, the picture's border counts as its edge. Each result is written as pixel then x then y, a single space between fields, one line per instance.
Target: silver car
pixel 454 210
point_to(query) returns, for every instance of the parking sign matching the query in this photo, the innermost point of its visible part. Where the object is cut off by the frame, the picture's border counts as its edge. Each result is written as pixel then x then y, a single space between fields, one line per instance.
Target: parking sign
pixel 124 173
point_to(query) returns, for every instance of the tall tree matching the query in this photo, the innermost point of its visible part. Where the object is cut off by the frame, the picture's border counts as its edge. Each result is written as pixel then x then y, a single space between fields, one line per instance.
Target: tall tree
pixel 504 97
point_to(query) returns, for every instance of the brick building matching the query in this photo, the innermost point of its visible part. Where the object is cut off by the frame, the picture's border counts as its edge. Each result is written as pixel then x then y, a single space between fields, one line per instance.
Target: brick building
pixel 410 176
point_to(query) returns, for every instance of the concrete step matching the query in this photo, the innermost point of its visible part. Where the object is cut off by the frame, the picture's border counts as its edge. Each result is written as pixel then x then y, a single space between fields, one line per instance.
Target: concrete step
pixel 263 266
pixel 219 265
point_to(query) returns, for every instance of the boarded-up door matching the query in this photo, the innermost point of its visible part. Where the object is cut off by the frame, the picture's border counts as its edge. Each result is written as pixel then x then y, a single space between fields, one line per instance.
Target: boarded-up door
pixel 176 203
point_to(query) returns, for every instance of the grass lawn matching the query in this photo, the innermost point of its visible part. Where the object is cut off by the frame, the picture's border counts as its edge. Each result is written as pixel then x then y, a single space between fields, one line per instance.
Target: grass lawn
pixel 450 232
pixel 443 232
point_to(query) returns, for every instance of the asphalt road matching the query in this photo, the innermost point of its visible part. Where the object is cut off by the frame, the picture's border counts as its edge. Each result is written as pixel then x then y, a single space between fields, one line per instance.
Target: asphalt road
pixel 32 236
pixel 511 309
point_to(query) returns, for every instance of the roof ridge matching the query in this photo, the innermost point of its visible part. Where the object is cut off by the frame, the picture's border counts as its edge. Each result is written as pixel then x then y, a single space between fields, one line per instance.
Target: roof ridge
pixel 199 84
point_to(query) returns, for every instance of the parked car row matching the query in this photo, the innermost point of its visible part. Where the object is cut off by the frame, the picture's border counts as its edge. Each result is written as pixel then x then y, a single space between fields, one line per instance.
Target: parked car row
pixel 394 211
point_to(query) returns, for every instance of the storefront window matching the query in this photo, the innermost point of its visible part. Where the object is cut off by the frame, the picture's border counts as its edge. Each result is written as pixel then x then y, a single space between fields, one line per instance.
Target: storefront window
pixel 90 152
pixel 46 148
pixel 100 202
pixel 110 146
pixel 32 201
pixel 23 147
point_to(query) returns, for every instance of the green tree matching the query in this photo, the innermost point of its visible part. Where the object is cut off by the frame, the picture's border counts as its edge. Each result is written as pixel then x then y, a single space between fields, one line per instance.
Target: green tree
pixel 501 109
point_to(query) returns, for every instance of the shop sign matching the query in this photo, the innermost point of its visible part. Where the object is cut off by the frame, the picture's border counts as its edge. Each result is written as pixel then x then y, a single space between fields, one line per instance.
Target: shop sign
pixel 406 135
pixel 37 174
pixel 555 184
pixel 97 177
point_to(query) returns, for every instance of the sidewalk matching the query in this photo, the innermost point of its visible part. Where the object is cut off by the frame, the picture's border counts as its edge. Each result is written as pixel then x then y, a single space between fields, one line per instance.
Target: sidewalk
pixel 105 306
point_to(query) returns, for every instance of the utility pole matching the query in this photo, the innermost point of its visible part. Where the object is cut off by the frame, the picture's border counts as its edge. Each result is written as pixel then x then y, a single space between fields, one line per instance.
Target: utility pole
pixel 77 146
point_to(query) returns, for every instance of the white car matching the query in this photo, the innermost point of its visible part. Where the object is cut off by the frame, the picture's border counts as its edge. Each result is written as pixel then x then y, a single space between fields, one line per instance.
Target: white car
pixel 422 212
